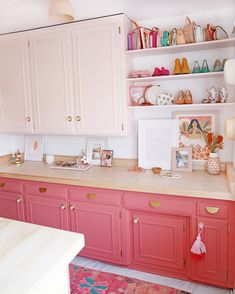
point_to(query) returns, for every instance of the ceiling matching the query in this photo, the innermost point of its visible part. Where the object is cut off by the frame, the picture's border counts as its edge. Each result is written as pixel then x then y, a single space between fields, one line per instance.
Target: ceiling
pixel 24 14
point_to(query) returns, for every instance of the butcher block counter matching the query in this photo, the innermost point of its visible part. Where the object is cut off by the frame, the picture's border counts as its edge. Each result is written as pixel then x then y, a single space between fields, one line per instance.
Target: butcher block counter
pixel 34 259
pixel 195 184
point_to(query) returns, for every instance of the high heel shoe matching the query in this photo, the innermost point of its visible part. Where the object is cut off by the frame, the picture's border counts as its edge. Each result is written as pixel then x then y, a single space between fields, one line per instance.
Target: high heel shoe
pixel 217 66
pixel 196 67
pixel 185 68
pixel 180 99
pixel 177 67
pixel 205 67
pixel 188 97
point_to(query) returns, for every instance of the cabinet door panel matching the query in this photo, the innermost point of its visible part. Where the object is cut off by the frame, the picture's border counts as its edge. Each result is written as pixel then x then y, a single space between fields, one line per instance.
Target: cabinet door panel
pixel 11 206
pixel 46 212
pixel 51 79
pixel 159 240
pixel 213 266
pixel 15 104
pixel 101 228
pixel 97 54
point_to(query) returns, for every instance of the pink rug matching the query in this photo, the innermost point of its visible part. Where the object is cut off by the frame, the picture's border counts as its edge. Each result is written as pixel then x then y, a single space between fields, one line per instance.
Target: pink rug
pixel 89 281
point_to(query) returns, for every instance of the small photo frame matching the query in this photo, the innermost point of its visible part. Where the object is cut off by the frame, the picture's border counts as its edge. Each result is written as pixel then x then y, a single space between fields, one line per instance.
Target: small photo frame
pixel 33 147
pixel 94 147
pixel 182 159
pixel 106 158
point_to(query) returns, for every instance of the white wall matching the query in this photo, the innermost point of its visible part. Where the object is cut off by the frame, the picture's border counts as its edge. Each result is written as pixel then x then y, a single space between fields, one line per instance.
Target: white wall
pixel 7 144
pixel 126 147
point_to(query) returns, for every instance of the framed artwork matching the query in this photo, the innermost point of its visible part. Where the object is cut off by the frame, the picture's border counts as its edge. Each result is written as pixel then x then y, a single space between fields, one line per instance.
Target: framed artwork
pixel 182 159
pixel 106 158
pixel 155 141
pixel 193 126
pixel 33 147
pixel 94 147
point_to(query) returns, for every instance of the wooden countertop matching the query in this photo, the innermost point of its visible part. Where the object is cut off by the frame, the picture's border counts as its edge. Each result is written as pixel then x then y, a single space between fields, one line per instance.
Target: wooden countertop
pixel 28 253
pixel 195 184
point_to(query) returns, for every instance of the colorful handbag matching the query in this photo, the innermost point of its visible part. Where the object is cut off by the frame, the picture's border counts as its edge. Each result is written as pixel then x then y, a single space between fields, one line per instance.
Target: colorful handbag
pixel 198 34
pixel 172 38
pixel 160 33
pixel 220 33
pixel 164 39
pixel 153 37
pixel 180 39
pixel 209 32
pixel 188 30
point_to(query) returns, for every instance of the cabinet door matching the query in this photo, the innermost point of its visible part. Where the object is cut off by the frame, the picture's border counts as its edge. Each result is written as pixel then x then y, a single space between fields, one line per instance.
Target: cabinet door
pixel 101 228
pixel 15 105
pixel 97 56
pixel 11 206
pixel 213 266
pixel 50 58
pixel 46 212
pixel 159 240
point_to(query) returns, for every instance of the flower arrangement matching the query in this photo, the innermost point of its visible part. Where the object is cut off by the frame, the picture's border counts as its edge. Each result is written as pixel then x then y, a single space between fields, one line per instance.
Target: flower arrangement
pixel 214 142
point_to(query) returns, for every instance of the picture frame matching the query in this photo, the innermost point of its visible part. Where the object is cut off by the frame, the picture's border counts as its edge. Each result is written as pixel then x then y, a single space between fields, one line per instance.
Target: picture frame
pixel 106 158
pixel 34 147
pixel 193 126
pixel 181 159
pixel 155 141
pixel 94 147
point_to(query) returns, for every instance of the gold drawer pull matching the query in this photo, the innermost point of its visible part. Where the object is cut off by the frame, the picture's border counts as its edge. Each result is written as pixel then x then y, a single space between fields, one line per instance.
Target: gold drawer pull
pixel 155 203
pixel 2 185
pixel 212 210
pixel 91 196
pixel 42 190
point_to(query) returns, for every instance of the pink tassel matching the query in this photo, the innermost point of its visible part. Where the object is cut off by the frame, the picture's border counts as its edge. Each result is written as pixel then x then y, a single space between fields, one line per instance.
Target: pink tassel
pixel 198 246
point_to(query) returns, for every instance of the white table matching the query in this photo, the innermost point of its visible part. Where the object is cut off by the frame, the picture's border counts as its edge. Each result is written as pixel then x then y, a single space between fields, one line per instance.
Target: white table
pixel 35 259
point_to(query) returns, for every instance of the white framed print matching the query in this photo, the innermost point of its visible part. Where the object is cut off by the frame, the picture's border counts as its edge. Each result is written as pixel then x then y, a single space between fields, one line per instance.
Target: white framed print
pixel 33 147
pixel 94 147
pixel 156 138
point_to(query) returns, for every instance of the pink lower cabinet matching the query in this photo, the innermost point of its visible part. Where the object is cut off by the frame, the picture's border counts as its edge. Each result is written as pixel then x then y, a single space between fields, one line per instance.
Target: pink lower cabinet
pixel 12 206
pixel 159 240
pixel 46 205
pixel 96 214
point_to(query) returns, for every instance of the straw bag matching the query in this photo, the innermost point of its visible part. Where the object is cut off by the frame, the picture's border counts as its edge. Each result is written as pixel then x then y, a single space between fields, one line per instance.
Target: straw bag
pixel 180 39
pixel 188 30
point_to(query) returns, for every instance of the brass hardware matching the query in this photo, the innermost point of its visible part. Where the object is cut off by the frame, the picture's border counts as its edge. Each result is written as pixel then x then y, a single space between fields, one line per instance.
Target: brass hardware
pixel 91 196
pixel 18 200
pixel 71 207
pixel 212 210
pixel 62 207
pixel 69 118
pixel 78 118
pixel 28 119
pixel 136 220
pixel 2 185
pixel 155 203
pixel 119 30
pixel 42 189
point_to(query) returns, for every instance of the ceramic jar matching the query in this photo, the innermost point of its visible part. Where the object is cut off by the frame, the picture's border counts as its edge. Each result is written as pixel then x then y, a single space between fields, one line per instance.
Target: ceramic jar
pixel 213 164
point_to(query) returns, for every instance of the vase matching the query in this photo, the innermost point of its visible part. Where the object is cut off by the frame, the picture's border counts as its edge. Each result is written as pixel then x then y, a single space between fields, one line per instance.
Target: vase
pixel 213 164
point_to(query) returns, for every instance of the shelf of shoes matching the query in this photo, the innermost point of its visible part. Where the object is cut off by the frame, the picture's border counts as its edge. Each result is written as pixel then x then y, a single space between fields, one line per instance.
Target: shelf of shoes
pixel 185 106
pixel 176 77
pixel 183 48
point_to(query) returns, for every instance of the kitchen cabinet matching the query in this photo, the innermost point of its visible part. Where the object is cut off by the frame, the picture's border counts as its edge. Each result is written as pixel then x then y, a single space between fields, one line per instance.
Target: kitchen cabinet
pixel 15 100
pixel 98 60
pixel 12 206
pixel 159 240
pixel 51 79
pixel 96 214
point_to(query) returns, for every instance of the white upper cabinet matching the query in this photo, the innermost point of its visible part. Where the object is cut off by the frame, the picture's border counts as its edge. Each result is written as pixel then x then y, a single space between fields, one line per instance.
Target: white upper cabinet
pixel 51 79
pixel 97 53
pixel 15 105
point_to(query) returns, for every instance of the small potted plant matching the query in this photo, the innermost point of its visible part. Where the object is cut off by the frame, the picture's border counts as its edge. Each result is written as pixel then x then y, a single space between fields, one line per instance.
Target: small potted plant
pixel 214 143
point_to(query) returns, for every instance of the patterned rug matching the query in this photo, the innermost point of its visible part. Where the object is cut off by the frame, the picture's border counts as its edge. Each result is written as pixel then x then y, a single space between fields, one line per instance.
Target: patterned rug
pixel 89 281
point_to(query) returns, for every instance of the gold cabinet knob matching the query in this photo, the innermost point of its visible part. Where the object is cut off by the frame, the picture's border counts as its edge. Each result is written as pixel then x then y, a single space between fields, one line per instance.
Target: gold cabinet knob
pixel 136 220
pixel 62 207
pixel 72 207
pixel 154 203
pixel 212 209
pixel 18 200
pixel 28 119
pixel 69 118
pixel 91 196
pixel 42 189
pixel 78 118
pixel 2 185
